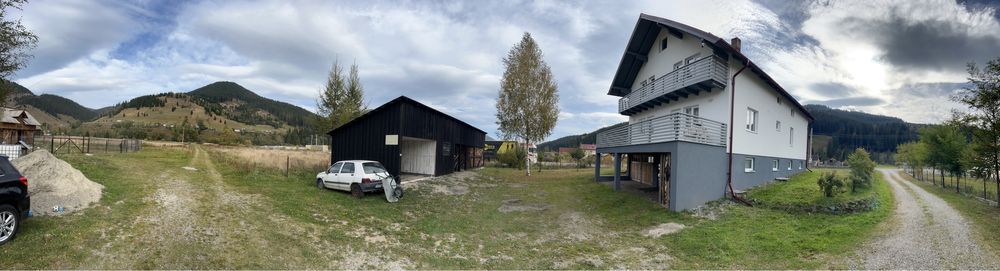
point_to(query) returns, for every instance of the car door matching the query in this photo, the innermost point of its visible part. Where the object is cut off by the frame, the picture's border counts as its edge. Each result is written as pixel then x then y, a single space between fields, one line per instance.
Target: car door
pixel 330 178
pixel 347 176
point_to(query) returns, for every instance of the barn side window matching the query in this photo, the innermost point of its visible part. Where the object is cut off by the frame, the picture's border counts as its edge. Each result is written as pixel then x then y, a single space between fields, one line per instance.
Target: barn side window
pixel 446 148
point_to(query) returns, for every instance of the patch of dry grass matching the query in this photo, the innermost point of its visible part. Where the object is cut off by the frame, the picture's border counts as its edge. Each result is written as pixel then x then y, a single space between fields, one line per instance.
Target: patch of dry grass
pixel 255 157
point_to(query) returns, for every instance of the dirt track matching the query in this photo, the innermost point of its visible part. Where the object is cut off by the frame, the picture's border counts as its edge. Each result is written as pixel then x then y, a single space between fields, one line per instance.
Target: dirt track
pixel 924 233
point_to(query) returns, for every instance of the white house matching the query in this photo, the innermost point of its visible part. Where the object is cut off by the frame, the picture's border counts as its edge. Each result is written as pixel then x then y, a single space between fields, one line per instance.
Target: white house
pixel 704 120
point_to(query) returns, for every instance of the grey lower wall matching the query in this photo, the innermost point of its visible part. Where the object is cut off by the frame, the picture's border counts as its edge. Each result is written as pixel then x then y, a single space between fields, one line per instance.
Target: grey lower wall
pixel 763 171
pixel 697 171
pixel 697 175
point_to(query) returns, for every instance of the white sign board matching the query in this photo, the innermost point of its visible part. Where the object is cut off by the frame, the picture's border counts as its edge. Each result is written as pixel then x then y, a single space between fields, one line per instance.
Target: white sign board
pixel 392 139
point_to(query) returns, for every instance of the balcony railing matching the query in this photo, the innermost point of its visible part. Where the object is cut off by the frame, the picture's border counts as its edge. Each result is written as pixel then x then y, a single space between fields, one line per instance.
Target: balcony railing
pixel 707 72
pixel 673 127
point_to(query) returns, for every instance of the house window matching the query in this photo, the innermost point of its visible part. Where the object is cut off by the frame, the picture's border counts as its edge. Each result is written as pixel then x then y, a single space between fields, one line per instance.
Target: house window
pixel 800 164
pixel 652 78
pixel 774 165
pixel 445 148
pixel 751 120
pixel 777 126
pixel 643 83
pixel 789 164
pixel 791 136
pixel 793 112
pixel 663 44
pixel 748 164
pixel 693 58
pixel 678 65
pixel 691 110
pixel 779 100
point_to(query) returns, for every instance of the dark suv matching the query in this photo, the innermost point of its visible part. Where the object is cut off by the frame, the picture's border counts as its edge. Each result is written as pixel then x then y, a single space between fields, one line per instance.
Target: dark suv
pixel 14 201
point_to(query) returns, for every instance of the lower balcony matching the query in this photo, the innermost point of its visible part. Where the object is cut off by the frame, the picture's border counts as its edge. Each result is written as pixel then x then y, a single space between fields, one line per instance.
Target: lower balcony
pixel 672 127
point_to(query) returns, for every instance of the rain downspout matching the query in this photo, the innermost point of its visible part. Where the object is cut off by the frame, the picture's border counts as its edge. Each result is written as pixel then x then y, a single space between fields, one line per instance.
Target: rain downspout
pixel 732 111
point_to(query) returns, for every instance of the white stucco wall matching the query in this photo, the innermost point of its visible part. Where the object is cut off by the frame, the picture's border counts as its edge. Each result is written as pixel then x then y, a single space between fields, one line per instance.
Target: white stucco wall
pixel 751 91
pixel 713 106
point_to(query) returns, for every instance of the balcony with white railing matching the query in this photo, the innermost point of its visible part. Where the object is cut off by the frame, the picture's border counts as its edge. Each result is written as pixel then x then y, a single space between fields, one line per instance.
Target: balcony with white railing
pixel 673 127
pixel 701 75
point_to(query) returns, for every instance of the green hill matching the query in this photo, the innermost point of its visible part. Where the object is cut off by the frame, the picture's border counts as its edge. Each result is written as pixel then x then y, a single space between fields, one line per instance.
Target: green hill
pixel 52 105
pixel 240 104
pixel 848 130
pixel 574 141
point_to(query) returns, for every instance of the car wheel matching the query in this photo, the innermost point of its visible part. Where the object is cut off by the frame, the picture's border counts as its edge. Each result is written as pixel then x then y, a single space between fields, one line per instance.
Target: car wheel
pixel 319 183
pixel 9 219
pixel 356 191
pixel 398 192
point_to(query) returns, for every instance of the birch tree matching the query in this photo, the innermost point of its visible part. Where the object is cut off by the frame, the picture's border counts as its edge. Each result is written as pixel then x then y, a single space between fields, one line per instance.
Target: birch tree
pixel 528 102
pixel 983 99
pixel 15 42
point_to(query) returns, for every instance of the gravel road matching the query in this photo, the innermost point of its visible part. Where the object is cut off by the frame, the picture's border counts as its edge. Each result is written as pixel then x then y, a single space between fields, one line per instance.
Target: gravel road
pixel 924 233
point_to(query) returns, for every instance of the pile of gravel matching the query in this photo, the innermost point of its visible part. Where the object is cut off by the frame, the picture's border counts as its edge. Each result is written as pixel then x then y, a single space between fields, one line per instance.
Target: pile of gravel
pixel 53 183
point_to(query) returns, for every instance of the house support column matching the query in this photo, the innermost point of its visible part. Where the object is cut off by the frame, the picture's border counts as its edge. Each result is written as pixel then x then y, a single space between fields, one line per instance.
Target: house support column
pixel 597 167
pixel 618 172
pixel 628 166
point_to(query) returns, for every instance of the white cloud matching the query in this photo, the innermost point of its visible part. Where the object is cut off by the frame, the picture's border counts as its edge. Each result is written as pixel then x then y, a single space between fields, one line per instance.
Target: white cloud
pixel 447 54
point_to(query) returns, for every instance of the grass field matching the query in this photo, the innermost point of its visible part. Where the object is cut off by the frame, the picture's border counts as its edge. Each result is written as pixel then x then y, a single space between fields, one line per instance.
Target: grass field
pixel 802 191
pixel 985 218
pixel 156 215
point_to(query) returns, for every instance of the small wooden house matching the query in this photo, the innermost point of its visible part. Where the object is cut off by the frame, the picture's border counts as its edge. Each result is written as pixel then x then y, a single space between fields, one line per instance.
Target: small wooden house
pixel 18 125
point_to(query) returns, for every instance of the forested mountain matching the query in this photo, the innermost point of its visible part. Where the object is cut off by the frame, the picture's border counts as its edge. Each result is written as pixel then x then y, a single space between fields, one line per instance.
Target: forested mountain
pixel 848 130
pixel 241 104
pixel 574 141
pixel 52 105
pixel 221 112
pixel 836 134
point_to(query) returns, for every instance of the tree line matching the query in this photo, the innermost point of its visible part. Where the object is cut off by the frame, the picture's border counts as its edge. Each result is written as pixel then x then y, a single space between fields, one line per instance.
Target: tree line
pixel 967 145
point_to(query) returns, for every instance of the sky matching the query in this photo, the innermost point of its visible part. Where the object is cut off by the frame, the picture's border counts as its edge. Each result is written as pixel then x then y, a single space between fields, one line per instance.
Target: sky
pixel 897 58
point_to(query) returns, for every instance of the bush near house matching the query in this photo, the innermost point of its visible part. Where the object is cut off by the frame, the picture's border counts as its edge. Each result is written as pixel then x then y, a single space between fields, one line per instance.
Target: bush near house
pixel 802 194
pixel 862 169
pixel 829 184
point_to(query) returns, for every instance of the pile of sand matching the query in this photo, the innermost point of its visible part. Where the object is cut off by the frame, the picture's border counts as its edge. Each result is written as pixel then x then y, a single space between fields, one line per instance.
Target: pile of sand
pixel 54 183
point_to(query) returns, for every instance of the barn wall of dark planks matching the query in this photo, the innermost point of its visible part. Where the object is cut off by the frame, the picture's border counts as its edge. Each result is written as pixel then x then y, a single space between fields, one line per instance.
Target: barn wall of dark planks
pixel 459 146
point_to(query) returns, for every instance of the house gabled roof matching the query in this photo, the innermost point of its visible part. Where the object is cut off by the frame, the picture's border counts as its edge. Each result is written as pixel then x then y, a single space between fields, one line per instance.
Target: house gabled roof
pixel 11 115
pixel 396 101
pixel 644 36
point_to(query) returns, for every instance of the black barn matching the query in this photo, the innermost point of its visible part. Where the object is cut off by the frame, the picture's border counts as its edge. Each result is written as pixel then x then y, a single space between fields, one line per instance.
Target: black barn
pixel 409 137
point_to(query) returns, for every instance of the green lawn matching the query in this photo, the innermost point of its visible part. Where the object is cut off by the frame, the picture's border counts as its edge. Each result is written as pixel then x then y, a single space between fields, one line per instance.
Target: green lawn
pixel 802 192
pixel 764 238
pixel 985 218
pixel 258 218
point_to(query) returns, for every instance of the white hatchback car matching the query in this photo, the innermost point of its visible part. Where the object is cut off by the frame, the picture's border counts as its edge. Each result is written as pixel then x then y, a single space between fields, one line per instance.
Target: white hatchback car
pixel 356 176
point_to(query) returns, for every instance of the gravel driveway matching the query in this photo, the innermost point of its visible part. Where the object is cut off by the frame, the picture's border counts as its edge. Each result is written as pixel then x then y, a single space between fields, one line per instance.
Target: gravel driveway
pixel 924 233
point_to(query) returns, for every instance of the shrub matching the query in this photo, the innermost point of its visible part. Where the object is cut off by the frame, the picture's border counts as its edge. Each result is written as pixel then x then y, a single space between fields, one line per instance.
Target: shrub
pixel 829 184
pixel 513 158
pixel 862 168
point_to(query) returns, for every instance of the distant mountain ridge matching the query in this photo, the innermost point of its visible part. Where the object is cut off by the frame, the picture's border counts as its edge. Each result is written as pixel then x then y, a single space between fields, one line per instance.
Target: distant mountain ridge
pixel 52 105
pixel 217 107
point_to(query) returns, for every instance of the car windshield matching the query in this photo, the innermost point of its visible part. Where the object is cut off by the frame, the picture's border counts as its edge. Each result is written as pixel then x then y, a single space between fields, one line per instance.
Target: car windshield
pixel 373 167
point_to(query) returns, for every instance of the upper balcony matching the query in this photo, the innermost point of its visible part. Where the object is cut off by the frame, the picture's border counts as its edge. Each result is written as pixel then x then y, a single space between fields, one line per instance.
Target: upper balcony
pixel 701 75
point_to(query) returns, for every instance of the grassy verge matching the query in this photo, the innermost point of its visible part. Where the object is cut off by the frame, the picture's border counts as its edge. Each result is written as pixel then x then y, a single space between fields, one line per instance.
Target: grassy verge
pixel 575 224
pixel 763 238
pixel 801 193
pixel 66 242
pixel 985 218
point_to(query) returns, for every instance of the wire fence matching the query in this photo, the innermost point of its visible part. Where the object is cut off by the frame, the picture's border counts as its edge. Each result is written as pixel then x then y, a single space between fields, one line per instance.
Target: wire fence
pixel 86 144
pixel 981 189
